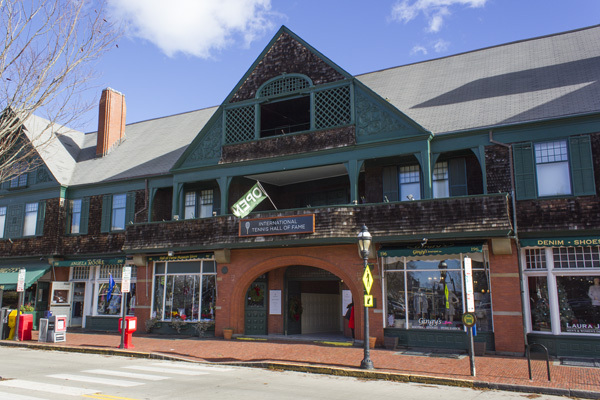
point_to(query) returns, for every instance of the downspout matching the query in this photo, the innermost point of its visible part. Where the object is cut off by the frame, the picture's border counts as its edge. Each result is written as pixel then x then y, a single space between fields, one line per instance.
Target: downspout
pixel 515 230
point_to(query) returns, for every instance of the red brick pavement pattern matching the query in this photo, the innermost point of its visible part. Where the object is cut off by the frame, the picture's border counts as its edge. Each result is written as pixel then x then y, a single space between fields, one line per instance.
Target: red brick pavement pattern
pixel 493 369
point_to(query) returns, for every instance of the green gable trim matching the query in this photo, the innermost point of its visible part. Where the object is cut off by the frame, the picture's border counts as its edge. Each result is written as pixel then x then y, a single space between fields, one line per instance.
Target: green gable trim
pixel 565 241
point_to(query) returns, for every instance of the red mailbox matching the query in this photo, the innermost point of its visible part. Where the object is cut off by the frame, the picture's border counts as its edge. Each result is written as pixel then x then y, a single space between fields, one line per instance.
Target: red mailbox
pixel 25 326
pixel 130 327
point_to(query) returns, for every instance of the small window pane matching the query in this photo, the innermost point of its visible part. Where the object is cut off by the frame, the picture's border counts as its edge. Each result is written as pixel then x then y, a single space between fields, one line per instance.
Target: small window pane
pixel 552 168
pixel 30 219
pixel 539 304
pixel 206 203
pixel 75 215
pixel 535 258
pixel 118 212
pixel 440 180
pixel 190 205
pixel 410 185
pixel 2 220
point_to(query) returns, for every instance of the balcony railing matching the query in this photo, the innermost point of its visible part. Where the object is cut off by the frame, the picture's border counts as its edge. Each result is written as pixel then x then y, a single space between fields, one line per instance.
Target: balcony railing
pixel 468 217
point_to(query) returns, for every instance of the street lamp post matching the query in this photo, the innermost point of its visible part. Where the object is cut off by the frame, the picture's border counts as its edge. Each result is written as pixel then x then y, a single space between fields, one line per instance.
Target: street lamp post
pixel 364 242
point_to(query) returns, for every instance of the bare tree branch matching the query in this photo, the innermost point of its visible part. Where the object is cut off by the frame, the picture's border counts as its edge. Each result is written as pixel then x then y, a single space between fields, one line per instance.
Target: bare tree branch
pixel 46 64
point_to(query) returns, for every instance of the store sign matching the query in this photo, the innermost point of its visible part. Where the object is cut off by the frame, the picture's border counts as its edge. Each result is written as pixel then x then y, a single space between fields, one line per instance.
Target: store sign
pixel 182 257
pixel 561 242
pixel 583 328
pixel 89 262
pixel 277 225
pixel 429 250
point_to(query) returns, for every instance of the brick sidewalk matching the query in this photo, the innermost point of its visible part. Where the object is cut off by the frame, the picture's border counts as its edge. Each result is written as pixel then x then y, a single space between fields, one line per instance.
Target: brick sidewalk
pixel 491 371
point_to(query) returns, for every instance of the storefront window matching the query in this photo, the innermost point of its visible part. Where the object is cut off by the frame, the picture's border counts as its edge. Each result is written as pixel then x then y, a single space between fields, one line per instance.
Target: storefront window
pixel 185 290
pixel 540 306
pixel 579 303
pixel 428 294
pixel 566 298
pixel 111 305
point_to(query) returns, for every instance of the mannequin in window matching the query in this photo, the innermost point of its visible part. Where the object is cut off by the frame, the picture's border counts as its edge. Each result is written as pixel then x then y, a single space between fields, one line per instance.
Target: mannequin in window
pixel 451 304
pixel 594 294
pixel 420 303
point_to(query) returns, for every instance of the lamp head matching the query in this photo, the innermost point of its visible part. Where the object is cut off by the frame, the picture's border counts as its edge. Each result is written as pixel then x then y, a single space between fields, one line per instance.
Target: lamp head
pixel 364 242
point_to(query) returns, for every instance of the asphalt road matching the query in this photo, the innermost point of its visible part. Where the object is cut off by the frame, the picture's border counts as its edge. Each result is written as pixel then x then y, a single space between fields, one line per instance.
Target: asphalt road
pixel 33 374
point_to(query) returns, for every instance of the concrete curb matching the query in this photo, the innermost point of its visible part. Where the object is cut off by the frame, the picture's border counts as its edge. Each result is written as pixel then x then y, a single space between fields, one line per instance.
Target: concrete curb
pixel 314 369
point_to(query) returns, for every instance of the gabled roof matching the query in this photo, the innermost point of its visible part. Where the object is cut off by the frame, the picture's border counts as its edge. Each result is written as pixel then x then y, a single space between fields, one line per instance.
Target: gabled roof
pixel 543 78
pixel 150 148
pixel 57 145
pixel 526 81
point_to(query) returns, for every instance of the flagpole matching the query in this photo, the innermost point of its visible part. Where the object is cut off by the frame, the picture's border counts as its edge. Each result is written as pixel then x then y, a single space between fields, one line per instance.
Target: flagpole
pixel 266 194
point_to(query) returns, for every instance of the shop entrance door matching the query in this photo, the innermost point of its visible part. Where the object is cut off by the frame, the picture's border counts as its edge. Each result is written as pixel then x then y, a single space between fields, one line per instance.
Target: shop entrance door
pixel 77 304
pixel 256 309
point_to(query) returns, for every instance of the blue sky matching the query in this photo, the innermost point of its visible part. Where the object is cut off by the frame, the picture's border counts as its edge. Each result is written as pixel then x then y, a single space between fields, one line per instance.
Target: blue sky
pixel 183 55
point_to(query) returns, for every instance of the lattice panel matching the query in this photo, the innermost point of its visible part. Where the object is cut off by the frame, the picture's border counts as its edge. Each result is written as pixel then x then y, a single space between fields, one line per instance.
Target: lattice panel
pixel 332 107
pixel 239 124
pixel 288 84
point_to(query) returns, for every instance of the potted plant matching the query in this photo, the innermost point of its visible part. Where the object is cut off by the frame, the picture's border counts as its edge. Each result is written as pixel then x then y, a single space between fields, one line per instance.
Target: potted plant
pixel 202 326
pixel 152 324
pixel 227 333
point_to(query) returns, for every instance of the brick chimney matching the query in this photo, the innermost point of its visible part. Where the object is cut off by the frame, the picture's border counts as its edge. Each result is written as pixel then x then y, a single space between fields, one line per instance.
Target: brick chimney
pixel 111 121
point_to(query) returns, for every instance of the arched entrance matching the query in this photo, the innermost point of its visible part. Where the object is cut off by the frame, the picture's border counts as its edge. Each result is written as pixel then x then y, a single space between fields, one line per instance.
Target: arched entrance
pixel 294 300
pixel 313 301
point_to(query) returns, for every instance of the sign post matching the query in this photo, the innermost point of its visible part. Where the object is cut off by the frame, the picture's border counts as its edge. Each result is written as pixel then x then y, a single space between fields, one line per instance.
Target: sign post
pixel 469 317
pixel 125 285
pixel 20 290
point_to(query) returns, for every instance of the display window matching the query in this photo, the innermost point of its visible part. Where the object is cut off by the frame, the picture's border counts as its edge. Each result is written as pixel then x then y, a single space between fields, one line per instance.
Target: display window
pixel 564 289
pixel 185 290
pixel 428 293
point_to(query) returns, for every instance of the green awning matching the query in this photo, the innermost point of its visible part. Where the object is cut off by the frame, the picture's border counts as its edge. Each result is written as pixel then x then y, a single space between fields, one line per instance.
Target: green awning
pixel 9 273
pixel 430 250
pixel 570 241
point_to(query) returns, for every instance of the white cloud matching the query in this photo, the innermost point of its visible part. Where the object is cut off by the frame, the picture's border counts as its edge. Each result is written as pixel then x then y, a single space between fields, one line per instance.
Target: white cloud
pixel 434 10
pixel 194 27
pixel 441 45
pixel 418 49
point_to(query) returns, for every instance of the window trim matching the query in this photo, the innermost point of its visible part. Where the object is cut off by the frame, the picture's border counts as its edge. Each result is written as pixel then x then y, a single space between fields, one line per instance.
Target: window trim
pixel 581 168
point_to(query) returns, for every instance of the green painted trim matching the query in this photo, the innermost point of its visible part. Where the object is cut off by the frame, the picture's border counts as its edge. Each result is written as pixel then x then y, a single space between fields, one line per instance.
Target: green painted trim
pixel 29 196
pixel 358 85
pixel 561 241
pixel 217 117
pixel 102 188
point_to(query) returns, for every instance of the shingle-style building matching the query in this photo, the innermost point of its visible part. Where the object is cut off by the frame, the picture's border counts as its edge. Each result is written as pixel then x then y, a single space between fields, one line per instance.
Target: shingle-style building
pixel 489 158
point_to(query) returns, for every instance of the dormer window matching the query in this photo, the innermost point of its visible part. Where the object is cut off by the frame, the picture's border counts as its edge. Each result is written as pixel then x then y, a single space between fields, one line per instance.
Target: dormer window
pixel 19 180
pixel 288 104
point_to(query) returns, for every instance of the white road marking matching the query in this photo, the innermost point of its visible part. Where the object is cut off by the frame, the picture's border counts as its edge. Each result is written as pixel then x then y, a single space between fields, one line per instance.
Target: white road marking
pixel 12 396
pixel 93 379
pixel 47 387
pixel 199 367
pixel 123 374
pixel 165 370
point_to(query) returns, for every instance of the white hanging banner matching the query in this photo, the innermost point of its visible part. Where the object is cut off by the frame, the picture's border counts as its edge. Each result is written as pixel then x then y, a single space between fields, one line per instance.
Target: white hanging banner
pixel 126 279
pixel 469 285
pixel 21 280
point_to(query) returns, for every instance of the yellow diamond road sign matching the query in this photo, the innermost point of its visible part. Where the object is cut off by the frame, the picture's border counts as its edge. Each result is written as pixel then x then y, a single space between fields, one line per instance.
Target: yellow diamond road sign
pixel 368 279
